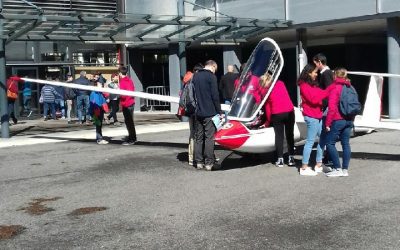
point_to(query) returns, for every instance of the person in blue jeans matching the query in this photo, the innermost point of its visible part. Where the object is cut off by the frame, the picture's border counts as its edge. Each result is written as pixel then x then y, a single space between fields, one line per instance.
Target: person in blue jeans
pixel 26 97
pixel 82 99
pixel 49 95
pixel 338 126
pixel 339 129
pixel 311 106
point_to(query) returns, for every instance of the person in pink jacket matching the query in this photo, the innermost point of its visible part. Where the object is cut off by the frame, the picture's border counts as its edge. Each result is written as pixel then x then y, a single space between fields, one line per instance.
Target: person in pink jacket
pixel 128 105
pixel 279 110
pixel 311 105
pixel 338 126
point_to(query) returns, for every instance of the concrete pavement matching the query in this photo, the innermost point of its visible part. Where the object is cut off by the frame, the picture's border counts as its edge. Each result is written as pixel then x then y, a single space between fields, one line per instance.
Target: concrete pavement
pixel 147 197
pixel 38 131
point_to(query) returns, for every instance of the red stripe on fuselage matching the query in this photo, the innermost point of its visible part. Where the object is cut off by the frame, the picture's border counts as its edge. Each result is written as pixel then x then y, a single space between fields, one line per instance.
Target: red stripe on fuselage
pixel 232 135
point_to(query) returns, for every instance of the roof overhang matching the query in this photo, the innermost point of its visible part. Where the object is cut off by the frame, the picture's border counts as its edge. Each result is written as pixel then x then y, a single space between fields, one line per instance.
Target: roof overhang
pixel 136 30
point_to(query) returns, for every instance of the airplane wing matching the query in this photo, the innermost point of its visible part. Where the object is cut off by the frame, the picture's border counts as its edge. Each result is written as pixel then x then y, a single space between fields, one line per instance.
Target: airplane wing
pixel 162 98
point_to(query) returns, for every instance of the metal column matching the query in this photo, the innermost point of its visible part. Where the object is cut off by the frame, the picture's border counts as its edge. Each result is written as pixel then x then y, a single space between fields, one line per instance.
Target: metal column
pixel 5 126
pixel 174 73
pixel 182 45
pixel 393 38
pixel 177 61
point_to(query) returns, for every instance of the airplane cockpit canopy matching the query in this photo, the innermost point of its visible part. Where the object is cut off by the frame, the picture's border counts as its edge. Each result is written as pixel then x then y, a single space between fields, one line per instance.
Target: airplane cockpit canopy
pixel 250 93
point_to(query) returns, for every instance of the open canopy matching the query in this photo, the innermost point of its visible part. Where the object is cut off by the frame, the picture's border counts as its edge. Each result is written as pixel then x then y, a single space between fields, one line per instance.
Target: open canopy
pixel 250 94
pixel 50 25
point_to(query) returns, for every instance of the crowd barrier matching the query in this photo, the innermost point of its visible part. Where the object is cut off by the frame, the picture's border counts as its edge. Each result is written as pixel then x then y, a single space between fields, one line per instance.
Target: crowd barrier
pixel 156 104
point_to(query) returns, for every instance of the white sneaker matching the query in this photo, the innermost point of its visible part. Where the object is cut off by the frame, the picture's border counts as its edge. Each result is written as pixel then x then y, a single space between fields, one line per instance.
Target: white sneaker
pixel 335 173
pixel 345 172
pixel 319 169
pixel 307 172
pixel 102 142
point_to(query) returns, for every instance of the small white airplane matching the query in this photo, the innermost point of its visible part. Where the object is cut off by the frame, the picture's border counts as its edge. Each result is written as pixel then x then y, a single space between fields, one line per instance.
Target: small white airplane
pixel 237 134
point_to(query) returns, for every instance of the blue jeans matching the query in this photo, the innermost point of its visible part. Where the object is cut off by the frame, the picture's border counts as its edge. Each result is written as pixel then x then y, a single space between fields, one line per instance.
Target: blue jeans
pixel 314 127
pixel 61 104
pixel 11 107
pixel 46 108
pixel 83 107
pixel 27 103
pixel 341 129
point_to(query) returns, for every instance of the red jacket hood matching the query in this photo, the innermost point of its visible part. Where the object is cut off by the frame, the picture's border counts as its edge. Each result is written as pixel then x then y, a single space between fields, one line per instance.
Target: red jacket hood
pixel 334 91
pixel 342 81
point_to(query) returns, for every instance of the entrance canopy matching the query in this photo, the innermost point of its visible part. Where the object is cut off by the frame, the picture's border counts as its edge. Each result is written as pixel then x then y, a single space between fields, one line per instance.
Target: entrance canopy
pixel 33 25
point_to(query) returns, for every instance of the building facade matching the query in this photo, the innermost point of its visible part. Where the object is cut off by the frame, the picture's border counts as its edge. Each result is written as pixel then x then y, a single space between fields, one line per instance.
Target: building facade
pixel 359 35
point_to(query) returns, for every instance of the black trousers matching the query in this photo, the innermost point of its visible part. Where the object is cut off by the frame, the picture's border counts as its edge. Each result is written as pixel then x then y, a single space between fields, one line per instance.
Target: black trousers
pixel 114 109
pixel 283 124
pixel 204 140
pixel 129 123
pixel 99 125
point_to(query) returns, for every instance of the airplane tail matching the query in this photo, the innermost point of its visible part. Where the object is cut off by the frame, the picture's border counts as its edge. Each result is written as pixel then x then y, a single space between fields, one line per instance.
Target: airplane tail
pixel 373 102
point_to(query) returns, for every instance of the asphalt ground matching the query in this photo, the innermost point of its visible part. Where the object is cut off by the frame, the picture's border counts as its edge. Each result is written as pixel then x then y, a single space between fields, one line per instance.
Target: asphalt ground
pixel 149 198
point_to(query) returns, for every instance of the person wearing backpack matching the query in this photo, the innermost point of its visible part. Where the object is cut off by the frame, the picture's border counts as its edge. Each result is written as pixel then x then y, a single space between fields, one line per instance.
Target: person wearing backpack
pixel 338 125
pixel 186 80
pixel 207 106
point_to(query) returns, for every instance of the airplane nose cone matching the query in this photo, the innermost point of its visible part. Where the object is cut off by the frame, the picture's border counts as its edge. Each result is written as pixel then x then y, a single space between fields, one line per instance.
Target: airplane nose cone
pixel 232 135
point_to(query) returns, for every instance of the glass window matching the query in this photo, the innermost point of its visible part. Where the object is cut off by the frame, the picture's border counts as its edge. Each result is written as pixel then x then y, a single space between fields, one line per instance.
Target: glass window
pixel 95 58
pixel 53 57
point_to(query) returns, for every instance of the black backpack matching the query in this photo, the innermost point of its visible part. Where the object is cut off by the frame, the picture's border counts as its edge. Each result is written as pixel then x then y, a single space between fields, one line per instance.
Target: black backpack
pixel 187 100
pixel 349 104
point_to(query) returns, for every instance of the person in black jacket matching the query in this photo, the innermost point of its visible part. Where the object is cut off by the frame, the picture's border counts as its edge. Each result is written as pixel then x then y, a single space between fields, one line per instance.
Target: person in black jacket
pixel 227 84
pixel 70 96
pixel 325 73
pixel 207 97
pixel 325 79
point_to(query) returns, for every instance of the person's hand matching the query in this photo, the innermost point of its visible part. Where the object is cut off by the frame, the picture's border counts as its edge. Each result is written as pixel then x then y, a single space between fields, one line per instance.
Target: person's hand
pixel 328 129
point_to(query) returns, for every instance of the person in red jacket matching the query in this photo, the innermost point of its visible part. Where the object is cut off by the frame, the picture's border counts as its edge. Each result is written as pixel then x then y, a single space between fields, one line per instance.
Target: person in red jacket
pixel 338 126
pixel 279 110
pixel 311 104
pixel 12 95
pixel 128 105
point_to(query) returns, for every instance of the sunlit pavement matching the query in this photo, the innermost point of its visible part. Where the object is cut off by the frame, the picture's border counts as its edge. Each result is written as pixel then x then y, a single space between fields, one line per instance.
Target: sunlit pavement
pixel 76 194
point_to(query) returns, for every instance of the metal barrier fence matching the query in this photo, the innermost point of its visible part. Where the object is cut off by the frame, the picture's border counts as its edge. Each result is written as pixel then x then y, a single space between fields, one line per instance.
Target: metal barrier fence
pixel 154 104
